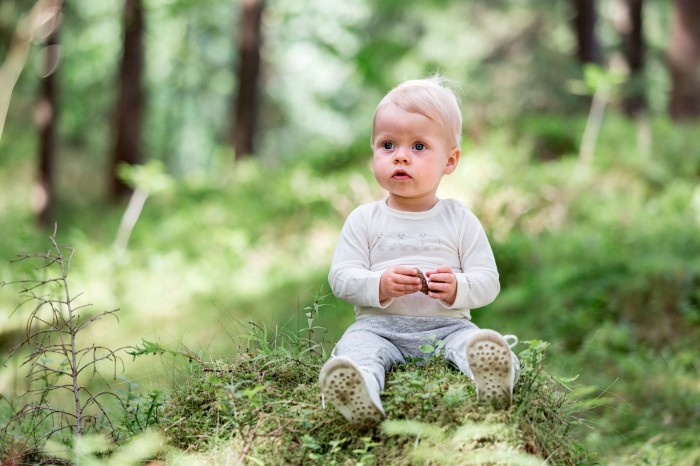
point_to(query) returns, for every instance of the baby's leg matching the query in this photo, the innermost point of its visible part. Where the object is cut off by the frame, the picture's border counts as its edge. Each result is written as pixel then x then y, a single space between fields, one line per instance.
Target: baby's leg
pixel 373 354
pixel 485 357
pixel 354 377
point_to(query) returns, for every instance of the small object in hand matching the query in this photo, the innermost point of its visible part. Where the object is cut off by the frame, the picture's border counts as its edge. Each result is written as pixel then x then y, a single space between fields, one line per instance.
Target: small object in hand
pixel 423 282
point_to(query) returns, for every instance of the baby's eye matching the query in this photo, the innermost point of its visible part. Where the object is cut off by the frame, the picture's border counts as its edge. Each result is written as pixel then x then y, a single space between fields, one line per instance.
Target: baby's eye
pixel 388 145
pixel 419 146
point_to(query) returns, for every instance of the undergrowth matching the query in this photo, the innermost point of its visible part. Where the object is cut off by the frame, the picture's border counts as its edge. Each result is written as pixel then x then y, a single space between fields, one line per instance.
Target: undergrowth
pixel 265 406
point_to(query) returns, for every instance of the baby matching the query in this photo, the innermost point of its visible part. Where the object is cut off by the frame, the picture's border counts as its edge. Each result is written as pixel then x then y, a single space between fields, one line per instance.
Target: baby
pixel 413 264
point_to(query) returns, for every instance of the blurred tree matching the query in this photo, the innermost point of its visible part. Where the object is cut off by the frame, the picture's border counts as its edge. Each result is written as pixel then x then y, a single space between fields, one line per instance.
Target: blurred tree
pixel 585 18
pixel 130 101
pixel 35 25
pixel 249 43
pixel 630 27
pixel 7 25
pixel 46 116
pixel 387 38
pixel 684 60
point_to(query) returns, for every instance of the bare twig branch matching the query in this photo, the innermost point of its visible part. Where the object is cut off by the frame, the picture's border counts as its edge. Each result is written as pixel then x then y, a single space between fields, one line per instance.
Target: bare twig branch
pixel 251 438
pixel 56 362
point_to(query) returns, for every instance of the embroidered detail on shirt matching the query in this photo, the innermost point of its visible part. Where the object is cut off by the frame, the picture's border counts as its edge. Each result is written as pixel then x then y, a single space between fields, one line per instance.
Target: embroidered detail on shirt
pixel 403 242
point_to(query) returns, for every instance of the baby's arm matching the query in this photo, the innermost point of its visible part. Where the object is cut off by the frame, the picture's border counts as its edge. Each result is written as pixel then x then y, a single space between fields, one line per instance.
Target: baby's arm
pixel 477 283
pixel 351 277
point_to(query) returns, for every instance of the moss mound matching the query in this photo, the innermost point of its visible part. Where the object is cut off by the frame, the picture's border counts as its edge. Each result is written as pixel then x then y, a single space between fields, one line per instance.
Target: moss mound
pixel 264 407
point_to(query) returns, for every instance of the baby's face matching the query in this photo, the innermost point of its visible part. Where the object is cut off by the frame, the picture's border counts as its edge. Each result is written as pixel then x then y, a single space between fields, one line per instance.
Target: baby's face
pixel 411 154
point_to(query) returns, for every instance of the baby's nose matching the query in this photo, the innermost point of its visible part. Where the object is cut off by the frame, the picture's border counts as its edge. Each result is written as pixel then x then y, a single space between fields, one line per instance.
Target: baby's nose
pixel 401 156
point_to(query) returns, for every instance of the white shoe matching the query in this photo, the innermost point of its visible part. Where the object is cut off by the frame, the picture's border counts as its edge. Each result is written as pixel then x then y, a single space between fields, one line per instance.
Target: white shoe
pixel 343 384
pixel 488 354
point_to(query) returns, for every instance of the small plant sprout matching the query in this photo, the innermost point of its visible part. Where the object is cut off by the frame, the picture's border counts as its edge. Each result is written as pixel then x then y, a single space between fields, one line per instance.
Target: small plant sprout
pixel 311 312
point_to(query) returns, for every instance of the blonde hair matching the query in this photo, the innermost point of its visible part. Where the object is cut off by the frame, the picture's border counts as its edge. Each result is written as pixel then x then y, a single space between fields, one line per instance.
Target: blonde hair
pixel 432 99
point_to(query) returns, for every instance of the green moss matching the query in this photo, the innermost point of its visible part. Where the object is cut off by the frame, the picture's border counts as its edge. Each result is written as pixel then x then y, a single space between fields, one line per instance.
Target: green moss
pixel 268 405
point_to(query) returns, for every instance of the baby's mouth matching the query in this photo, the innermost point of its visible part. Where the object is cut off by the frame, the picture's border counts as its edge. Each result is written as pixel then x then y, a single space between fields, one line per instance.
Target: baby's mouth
pixel 400 175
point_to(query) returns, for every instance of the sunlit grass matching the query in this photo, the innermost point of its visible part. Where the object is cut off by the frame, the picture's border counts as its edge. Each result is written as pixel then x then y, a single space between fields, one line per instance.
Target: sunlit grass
pixel 265 404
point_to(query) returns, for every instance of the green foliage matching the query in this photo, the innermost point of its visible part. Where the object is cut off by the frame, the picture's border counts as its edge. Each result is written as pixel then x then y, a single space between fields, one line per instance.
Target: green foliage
pixel 550 138
pixel 266 402
pixel 99 450
pixel 668 394
pixel 312 313
pixel 141 411
pixel 150 178
pixel 601 261
pixel 596 248
pixel 596 78
pixel 472 444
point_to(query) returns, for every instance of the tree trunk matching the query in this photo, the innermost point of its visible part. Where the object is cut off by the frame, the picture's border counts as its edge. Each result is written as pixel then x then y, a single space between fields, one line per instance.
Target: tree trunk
pixel 46 117
pixel 250 42
pixel 585 18
pixel 130 101
pixel 630 28
pixel 684 60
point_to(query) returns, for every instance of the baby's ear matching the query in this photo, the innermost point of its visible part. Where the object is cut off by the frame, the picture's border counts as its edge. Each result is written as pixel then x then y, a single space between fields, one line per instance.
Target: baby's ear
pixel 452 160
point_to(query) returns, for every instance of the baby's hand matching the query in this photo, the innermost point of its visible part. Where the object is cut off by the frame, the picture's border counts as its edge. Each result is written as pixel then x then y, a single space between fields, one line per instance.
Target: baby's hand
pixel 398 281
pixel 443 284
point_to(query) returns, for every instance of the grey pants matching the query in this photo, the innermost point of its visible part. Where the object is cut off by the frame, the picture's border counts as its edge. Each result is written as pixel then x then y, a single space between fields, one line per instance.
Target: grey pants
pixel 377 343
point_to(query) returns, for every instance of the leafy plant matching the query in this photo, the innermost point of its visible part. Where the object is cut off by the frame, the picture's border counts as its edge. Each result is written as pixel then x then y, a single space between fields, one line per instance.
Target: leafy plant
pixel 312 312
pixel 99 450
pixel 141 412
pixel 487 443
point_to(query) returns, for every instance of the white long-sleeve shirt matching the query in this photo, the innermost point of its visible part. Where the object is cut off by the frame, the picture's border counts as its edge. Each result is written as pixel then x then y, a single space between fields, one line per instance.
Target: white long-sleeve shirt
pixel 376 237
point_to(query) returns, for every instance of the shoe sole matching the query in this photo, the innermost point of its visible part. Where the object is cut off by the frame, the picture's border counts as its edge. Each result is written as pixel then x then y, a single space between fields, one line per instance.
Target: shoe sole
pixel 490 361
pixel 342 385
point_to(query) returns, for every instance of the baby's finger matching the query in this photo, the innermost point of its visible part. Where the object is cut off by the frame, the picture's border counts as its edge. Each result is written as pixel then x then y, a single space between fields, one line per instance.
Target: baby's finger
pixel 405 280
pixel 405 270
pixel 442 277
pixel 405 288
pixel 441 269
pixel 438 287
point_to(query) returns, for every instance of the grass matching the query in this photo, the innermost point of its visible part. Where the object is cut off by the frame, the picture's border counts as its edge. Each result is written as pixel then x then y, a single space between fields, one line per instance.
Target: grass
pixel 265 404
